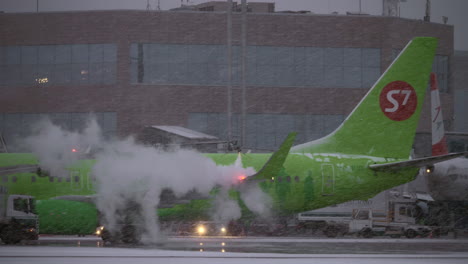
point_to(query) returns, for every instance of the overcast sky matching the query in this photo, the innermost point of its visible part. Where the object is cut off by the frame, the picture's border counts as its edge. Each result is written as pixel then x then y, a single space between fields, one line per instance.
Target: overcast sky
pixel 455 10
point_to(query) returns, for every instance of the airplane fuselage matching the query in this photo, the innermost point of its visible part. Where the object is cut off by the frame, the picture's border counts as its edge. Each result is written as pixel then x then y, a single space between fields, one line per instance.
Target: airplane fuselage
pixel 311 181
pixel 308 181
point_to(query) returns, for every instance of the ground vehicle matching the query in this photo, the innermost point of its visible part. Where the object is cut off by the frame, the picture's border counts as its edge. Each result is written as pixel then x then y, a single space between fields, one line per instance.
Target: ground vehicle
pixel 209 228
pixel 18 220
pixel 128 227
pixel 398 219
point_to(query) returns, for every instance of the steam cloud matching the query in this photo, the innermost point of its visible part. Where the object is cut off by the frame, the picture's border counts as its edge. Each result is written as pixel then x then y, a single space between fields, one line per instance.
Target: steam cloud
pixel 128 172
pixel 53 146
pixel 449 181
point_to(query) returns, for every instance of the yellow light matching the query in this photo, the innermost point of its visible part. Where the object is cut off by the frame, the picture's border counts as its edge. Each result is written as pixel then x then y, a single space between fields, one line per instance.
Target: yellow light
pixel 99 230
pixel 201 249
pixel 201 230
pixel 201 244
pixel 223 244
pixel 223 230
pixel 222 250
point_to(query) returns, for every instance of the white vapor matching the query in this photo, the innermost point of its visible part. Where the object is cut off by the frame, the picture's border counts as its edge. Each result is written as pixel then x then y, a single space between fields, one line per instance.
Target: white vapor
pixel 53 146
pixel 449 180
pixel 127 172
pixel 257 201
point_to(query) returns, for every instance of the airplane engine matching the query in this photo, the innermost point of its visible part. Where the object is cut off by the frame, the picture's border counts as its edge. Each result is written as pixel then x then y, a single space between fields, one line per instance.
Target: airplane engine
pixel 449 180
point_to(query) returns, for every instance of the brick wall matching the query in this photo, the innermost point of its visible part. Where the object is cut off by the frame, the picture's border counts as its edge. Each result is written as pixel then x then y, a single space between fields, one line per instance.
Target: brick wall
pixel 140 105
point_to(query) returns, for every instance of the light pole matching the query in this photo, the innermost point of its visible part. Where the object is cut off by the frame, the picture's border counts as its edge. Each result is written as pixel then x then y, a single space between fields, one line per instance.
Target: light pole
pixel 243 60
pixel 229 73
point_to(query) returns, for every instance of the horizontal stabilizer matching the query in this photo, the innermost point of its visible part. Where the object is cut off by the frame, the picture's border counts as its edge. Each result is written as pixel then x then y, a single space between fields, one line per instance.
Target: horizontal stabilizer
pixel 415 163
pixel 274 165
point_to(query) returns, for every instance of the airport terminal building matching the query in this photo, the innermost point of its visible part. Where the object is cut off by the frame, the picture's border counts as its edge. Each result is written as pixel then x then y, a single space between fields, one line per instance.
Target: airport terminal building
pixel 133 69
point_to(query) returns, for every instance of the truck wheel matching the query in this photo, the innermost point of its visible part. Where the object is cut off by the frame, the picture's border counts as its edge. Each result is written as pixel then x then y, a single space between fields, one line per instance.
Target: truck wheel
pixel 410 233
pixel 107 237
pixel 331 231
pixel 129 235
pixel 10 235
pixel 366 233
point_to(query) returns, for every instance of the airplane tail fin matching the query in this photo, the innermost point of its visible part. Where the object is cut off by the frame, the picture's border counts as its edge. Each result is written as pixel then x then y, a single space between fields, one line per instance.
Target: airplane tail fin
pixel 274 165
pixel 439 143
pixel 384 122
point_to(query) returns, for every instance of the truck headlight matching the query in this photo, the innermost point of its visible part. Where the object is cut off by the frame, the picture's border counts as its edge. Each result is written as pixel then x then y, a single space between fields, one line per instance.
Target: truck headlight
pixel 201 230
pixel 99 230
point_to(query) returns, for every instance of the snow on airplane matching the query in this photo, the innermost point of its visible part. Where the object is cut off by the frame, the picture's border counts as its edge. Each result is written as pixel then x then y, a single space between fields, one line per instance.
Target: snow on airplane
pixel 368 153
pixel 448 180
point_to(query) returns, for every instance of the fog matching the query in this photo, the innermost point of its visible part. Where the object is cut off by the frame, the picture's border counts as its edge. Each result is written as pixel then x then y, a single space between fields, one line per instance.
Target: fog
pixel 130 174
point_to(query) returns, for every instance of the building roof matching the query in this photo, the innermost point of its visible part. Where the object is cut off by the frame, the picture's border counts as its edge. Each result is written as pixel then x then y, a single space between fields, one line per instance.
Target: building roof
pixel 184 132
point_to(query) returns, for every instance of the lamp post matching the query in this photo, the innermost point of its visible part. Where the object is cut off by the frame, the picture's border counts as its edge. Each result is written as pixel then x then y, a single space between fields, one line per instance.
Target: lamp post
pixel 244 71
pixel 229 73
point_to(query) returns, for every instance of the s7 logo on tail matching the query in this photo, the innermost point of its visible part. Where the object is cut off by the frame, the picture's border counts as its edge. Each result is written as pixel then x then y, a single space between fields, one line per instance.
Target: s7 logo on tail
pixel 392 100
pixel 398 100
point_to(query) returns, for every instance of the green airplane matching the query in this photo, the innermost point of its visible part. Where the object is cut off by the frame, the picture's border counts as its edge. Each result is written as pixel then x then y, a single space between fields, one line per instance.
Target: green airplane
pixel 368 153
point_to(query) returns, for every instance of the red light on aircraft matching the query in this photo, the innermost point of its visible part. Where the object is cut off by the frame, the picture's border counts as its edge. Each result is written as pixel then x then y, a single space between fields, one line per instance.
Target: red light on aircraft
pixel 74 150
pixel 241 178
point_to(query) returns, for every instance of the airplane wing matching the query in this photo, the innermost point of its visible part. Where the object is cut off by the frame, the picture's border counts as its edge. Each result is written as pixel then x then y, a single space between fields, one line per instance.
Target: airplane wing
pixel 23 168
pixel 167 198
pixel 420 162
pixel 275 163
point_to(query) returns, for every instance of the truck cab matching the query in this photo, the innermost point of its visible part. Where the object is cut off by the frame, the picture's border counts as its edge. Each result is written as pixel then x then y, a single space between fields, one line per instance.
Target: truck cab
pixel 18 218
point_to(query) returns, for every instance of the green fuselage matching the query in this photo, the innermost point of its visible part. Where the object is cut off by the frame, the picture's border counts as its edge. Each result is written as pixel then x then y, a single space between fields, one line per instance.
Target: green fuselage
pixel 306 182
pixel 315 181
pixel 298 183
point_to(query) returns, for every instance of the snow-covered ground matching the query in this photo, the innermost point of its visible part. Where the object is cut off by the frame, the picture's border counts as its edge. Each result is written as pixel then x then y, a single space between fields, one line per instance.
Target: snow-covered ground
pixel 71 255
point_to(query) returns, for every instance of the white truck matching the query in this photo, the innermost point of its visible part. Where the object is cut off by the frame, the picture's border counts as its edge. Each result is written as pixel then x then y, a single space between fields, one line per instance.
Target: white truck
pixel 18 219
pixel 398 220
